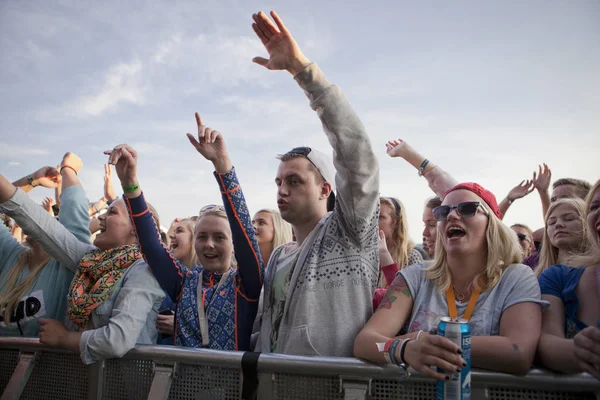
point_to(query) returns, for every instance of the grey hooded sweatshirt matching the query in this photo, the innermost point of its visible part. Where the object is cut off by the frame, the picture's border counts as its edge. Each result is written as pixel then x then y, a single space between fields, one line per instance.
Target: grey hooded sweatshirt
pixel 329 299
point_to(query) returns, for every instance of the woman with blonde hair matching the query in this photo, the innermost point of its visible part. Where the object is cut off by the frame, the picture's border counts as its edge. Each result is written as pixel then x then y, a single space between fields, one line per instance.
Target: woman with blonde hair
pixel 565 233
pixel 113 299
pixel 216 302
pixel 475 276
pixel 570 340
pixel 32 284
pixel 525 236
pixel 271 232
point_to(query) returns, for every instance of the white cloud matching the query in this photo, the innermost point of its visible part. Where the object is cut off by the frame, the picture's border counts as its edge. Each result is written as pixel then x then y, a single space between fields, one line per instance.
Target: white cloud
pixel 9 150
pixel 14 164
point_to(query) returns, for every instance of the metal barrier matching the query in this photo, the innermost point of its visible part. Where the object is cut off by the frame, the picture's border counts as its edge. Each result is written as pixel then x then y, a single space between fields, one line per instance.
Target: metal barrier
pixel 30 370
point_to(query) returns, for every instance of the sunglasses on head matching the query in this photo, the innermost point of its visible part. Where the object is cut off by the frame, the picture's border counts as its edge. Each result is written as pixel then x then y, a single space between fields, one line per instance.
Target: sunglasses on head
pixel 466 209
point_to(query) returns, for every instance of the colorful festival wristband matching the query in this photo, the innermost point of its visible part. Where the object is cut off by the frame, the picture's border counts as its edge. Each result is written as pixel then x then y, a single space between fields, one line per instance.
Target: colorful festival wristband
pixel 131 188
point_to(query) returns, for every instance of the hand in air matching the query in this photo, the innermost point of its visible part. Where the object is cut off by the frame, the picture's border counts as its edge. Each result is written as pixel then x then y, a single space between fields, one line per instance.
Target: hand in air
pixel 48 177
pixel 109 190
pixel 521 190
pixel 73 161
pixel 125 159
pixel 211 145
pixel 284 52
pixel 396 148
pixel 541 180
pixel 47 203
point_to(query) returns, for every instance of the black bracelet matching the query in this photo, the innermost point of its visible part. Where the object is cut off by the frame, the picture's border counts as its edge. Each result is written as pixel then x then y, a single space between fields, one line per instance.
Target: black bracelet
pixel 402 350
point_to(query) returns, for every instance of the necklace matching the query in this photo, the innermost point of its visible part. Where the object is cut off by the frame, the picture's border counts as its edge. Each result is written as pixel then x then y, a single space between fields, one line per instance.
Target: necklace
pixel 459 296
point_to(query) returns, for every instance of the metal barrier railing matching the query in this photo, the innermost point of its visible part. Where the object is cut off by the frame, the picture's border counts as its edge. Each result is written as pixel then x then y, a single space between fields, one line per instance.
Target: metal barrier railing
pixel 30 370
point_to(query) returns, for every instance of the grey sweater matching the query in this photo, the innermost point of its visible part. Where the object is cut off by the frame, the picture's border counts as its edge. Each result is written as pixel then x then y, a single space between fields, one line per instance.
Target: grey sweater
pixel 331 289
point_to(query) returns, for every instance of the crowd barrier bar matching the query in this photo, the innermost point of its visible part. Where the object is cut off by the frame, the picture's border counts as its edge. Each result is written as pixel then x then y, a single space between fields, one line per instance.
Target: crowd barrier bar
pixel 29 369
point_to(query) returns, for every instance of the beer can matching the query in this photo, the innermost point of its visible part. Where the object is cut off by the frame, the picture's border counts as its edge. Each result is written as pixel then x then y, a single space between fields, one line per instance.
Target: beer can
pixel 458 387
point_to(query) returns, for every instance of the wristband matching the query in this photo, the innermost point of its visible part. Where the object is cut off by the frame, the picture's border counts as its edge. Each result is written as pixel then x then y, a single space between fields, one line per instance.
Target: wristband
pixel 510 201
pixel 402 350
pixel 67 166
pixel 392 351
pixel 419 334
pixel 422 167
pixel 131 188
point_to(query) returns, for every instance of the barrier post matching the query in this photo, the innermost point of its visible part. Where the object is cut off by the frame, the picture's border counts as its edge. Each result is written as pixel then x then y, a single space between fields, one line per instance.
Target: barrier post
pixel 20 376
pixel 96 380
pixel 161 383
pixel 355 387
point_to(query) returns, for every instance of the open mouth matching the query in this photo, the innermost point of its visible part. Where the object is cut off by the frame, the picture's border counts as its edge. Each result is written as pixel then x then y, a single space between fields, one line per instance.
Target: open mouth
pixel 455 232
pixel 174 246
pixel 210 256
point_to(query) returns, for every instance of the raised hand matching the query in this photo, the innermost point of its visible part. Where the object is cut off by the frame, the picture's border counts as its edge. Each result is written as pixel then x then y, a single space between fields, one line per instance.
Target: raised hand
pixel 521 190
pixel 71 160
pixel 109 190
pixel 124 158
pixel 212 146
pixel 48 177
pixel 397 148
pixel 541 180
pixel 47 203
pixel 284 52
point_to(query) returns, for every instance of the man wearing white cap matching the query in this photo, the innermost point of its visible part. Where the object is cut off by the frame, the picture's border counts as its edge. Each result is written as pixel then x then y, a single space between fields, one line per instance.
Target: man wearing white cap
pixel 318 290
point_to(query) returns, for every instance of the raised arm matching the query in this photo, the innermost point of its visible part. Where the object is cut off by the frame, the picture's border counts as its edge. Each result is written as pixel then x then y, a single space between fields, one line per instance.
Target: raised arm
pixel 169 272
pixel 35 221
pixel 357 177
pixel 439 180
pixel 541 181
pixel 74 214
pixel 518 192
pixel 47 177
pixel 212 146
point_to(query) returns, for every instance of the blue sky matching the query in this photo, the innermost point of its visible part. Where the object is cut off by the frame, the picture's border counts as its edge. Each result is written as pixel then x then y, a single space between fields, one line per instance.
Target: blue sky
pixel 488 90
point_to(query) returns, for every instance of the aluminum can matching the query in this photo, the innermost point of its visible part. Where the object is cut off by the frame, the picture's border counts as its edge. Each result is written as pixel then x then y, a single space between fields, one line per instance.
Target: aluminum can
pixel 458 387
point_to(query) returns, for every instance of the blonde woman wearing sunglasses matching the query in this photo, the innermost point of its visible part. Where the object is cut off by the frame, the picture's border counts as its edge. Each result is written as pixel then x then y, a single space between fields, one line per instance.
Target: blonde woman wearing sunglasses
pixel 215 303
pixel 475 276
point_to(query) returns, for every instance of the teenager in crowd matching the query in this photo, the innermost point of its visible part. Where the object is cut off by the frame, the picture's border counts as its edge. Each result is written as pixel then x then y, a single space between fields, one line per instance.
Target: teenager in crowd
pixel 525 236
pixel 570 340
pixel 335 256
pixel 113 299
pixel 271 232
pixel 32 284
pixel 565 233
pixel 215 303
pixel 476 276
pixel 181 243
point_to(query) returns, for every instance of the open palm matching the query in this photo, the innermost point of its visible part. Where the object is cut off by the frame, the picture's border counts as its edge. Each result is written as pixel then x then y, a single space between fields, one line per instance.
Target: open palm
pixel 284 52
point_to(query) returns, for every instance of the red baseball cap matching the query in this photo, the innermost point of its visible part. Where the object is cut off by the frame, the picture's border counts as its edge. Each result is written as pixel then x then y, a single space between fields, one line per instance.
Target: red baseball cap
pixel 480 191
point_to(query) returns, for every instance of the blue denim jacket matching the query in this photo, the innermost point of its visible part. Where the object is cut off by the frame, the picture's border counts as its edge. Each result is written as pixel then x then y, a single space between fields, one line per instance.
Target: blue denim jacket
pixel 127 316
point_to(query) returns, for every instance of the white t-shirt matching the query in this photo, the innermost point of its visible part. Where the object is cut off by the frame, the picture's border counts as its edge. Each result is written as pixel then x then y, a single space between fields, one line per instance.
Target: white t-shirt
pixel 518 284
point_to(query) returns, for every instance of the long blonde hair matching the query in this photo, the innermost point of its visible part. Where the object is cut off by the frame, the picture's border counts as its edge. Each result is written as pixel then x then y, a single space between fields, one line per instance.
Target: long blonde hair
pixel 282 230
pixel 549 253
pixel 192 258
pixel 592 255
pixel 502 248
pixel 400 244
pixel 12 293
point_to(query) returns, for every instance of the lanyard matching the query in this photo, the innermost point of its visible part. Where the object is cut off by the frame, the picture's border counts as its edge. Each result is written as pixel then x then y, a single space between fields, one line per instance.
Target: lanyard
pixel 200 304
pixel 452 304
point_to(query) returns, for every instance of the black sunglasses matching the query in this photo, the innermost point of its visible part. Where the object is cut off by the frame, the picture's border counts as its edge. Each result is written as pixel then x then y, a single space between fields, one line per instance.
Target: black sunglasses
pixel 466 209
pixel 522 237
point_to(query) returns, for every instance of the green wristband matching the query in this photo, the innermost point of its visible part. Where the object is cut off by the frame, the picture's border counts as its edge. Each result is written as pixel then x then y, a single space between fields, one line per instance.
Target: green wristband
pixel 131 188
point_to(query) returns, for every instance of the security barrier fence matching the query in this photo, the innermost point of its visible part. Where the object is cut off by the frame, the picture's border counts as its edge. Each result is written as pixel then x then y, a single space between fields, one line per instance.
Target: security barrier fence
pixel 30 370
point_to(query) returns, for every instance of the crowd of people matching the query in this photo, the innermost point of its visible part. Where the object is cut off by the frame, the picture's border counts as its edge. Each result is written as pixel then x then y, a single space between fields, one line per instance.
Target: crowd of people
pixel 332 272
